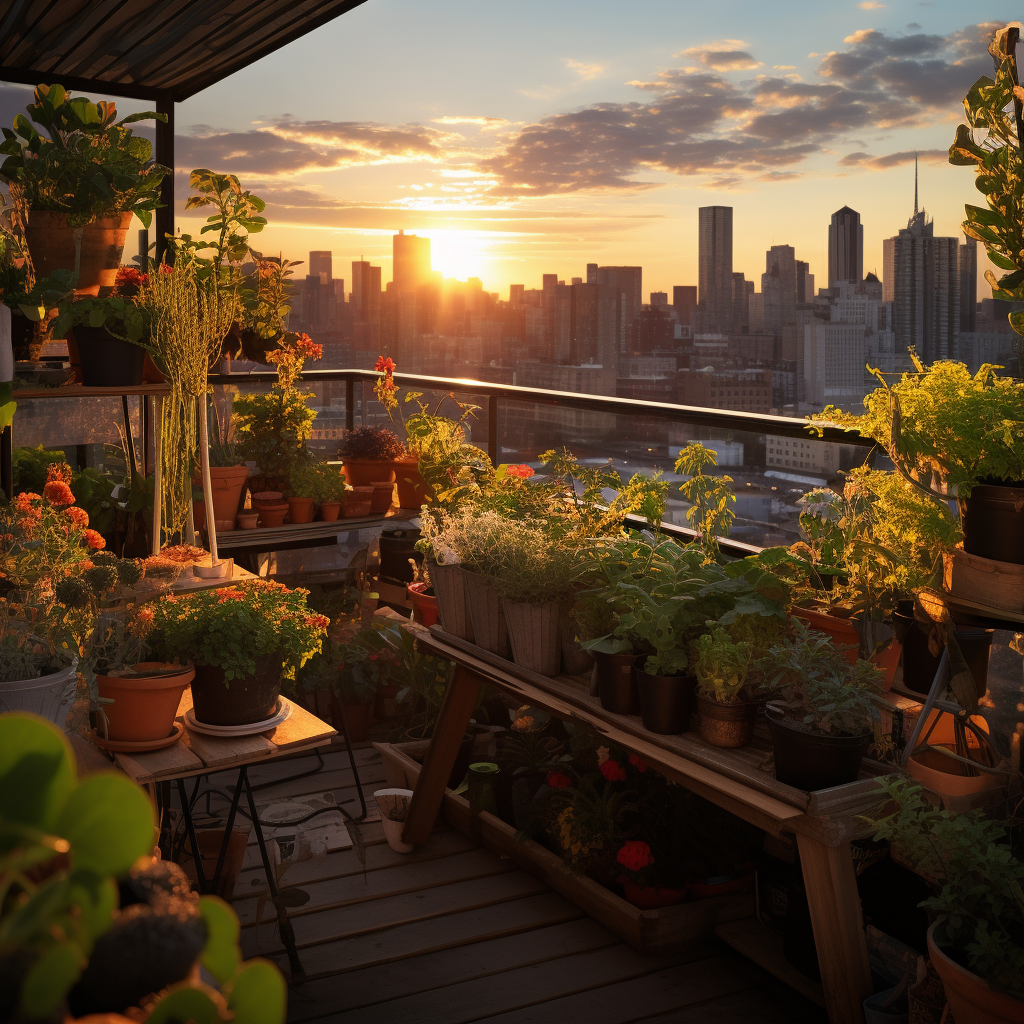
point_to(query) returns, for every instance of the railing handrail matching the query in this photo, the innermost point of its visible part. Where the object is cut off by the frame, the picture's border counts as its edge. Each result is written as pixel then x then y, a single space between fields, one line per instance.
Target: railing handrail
pixel 724 419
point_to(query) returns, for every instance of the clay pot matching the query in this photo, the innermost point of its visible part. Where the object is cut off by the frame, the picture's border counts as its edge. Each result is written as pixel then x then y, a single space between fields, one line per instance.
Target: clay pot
pixel 357 502
pixel 363 472
pixel 144 706
pixel 106 361
pixel 240 701
pixel 273 514
pixel 424 605
pixel 811 760
pixel 413 491
pixel 247 520
pixel 970 998
pixel 330 511
pixel 941 774
pixel 227 485
pixel 615 683
pixel 726 725
pixel 224 525
pixel 300 510
pixel 383 496
pixel 51 244
pixel 842 631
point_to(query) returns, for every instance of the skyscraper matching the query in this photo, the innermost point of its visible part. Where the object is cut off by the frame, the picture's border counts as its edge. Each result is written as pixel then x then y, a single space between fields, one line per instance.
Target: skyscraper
pixel 845 247
pixel 625 294
pixel 684 301
pixel 365 289
pixel 968 271
pixel 321 264
pixel 779 288
pixel 410 261
pixel 714 277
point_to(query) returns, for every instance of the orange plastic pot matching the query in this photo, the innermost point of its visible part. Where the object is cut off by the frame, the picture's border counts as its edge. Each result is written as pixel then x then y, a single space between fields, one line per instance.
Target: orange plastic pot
pixel 300 510
pixel 51 244
pixel 144 707
pixel 842 631
pixel 424 605
pixel 413 491
pixel 363 472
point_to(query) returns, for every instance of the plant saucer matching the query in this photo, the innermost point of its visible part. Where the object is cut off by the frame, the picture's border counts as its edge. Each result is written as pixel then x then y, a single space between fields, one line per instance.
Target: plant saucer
pixel 284 710
pixel 136 746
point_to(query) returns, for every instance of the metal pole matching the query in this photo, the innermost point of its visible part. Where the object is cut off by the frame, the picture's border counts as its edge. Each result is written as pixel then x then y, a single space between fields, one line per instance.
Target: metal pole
pixel 165 155
pixel 493 442
pixel 204 460
pixel 158 477
pixel 350 404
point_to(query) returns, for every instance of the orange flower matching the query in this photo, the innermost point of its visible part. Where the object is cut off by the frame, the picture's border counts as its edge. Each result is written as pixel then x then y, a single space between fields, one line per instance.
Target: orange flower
pixel 522 472
pixel 57 492
pixel 78 516
pixel 24 501
pixel 95 540
pixel 58 471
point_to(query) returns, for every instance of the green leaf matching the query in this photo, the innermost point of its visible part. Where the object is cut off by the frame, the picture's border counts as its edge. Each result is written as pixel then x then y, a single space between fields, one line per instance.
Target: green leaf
pixel 191 1005
pixel 1017 321
pixel 28 794
pixel 259 995
pixel 109 822
pixel 50 978
pixel 220 955
pixel 36 915
pixel 7 404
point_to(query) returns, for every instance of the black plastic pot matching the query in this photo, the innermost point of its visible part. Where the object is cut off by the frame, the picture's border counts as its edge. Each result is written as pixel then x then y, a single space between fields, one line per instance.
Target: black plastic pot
pixel 616 686
pixel 992 519
pixel 811 761
pixel 108 362
pixel 239 701
pixel 396 548
pixel 920 665
pixel 666 702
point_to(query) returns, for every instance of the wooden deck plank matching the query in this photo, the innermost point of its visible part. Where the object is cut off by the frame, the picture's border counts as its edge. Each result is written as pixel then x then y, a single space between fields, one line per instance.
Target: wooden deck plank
pixel 769 1003
pixel 391 911
pixel 411 939
pixel 431 971
pixel 335 893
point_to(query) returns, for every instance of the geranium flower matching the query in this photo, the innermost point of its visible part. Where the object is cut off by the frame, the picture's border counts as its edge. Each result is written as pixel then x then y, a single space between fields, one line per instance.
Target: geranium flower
pixel 78 516
pixel 521 472
pixel 95 540
pixel 638 763
pixel 556 780
pixel 57 492
pixel 613 771
pixel 635 855
pixel 385 364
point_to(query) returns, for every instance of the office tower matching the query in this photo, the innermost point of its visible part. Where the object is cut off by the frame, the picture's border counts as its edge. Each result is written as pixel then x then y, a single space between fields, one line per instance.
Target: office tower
pixel 742 289
pixel 779 288
pixel 714 277
pixel 625 288
pixel 968 272
pixel 411 262
pixel 515 294
pixel 804 282
pixel 365 289
pixel 845 247
pixel 659 300
pixel 684 300
pixel 591 273
pixel 313 305
pixel 321 265
pixel 923 283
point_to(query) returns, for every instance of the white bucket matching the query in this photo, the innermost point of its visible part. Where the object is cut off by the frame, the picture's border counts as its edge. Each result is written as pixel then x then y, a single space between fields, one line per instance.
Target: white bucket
pixel 48 696
pixel 394 807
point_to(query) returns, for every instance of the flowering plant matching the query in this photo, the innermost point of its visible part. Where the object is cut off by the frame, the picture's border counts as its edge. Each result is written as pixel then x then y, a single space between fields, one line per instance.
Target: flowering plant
pixel 374 443
pixel 233 627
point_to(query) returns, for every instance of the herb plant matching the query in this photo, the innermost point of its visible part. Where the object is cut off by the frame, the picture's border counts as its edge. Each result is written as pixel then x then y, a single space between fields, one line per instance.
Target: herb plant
pixel 377 444
pixel 721 665
pixel 710 497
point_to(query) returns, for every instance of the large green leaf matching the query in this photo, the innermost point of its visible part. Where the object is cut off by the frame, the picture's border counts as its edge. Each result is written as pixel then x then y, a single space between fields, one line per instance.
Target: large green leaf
pixel 109 822
pixel 259 995
pixel 50 978
pixel 37 770
pixel 187 1006
pixel 220 955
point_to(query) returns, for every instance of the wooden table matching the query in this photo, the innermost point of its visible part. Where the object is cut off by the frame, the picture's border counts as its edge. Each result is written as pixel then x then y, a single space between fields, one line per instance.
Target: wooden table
pixel 197 754
pixel 823 822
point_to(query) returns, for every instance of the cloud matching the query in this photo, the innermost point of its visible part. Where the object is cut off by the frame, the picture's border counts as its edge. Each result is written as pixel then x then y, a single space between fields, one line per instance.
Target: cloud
pixel 882 163
pixel 724 55
pixel 584 70
pixel 870 5
pixel 483 122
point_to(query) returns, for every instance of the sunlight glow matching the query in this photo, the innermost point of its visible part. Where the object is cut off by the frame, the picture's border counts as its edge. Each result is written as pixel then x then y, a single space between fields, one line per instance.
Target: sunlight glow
pixel 461 254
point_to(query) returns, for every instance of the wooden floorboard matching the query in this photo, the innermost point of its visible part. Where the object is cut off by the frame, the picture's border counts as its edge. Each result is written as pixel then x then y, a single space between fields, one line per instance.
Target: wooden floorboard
pixel 455 934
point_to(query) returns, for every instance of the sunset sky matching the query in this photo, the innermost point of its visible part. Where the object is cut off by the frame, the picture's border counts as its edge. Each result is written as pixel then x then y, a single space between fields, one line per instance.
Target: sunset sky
pixel 534 138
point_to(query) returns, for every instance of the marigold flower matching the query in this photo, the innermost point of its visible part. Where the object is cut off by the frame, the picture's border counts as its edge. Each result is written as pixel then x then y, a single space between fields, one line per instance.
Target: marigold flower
pixel 613 771
pixel 635 855
pixel 523 724
pixel 25 501
pixel 556 780
pixel 95 540
pixel 638 763
pixel 57 492
pixel 78 516
pixel 58 471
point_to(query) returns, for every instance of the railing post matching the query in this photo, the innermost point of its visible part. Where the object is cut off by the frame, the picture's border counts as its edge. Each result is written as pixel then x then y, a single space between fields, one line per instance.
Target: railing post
pixel 493 445
pixel 350 404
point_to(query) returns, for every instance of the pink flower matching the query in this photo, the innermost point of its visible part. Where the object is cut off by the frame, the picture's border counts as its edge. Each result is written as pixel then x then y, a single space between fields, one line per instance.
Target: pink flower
pixel 613 771
pixel 635 855
pixel 556 780
pixel 638 763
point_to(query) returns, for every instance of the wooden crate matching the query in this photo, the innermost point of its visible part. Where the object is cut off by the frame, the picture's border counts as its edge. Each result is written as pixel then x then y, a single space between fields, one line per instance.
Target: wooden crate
pixel 647 931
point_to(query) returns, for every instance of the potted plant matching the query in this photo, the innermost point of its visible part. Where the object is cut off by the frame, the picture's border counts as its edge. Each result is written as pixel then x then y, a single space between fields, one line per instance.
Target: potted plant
pixel 78 184
pixel 368 455
pixel 98 927
pixel 438 542
pixel 421 594
pixel 303 486
pixel 228 479
pixel 107 339
pixel 974 868
pixel 823 711
pixel 243 640
pixel 727 712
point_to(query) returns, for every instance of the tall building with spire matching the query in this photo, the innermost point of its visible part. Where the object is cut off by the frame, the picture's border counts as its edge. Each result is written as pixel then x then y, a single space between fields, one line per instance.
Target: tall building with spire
pixel 846 247
pixel 714 280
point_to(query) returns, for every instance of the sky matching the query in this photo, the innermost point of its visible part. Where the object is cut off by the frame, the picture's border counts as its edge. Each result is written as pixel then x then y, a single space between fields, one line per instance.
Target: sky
pixel 537 137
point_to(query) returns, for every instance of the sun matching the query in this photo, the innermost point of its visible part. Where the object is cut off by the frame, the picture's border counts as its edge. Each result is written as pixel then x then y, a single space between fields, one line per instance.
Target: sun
pixel 460 254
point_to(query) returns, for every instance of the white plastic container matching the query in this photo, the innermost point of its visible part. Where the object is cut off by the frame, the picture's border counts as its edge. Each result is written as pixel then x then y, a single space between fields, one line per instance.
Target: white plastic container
pixel 394 807
pixel 49 696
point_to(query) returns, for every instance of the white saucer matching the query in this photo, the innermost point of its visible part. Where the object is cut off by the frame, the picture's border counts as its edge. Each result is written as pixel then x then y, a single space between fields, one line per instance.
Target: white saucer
pixel 226 731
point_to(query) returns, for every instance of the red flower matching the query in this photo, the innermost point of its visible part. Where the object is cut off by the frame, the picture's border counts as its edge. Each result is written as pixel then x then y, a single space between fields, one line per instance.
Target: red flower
pixel 522 472
pixel 638 763
pixel 385 364
pixel 57 492
pixel 613 771
pixel 94 540
pixel 129 280
pixel 556 780
pixel 635 855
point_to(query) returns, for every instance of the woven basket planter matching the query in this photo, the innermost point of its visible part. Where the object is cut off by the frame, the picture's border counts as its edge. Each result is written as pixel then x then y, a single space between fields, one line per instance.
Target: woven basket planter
pixel 487 615
pixel 534 636
pixel 449 582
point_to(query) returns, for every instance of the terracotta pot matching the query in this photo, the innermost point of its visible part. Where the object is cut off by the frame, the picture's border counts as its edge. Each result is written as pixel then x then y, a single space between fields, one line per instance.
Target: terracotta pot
pixel 357 721
pixel 726 725
pixel 363 472
pixel 51 244
pixel 383 496
pixel 424 605
pixel 615 683
pixel 273 515
pixel 814 761
pixel 227 484
pixel 486 615
pixel 300 510
pixel 330 511
pixel 106 361
pixel 247 520
pixel 224 525
pixel 666 702
pixel 238 701
pixel 970 998
pixel 449 583
pixel 651 897
pixel 941 774
pixel 259 496
pixel 413 491
pixel 533 635
pixel 358 501
pixel 842 631
pixel 144 707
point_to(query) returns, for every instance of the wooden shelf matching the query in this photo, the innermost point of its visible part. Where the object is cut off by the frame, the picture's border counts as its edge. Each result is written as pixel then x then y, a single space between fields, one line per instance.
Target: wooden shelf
pixel 266 538
pixel 760 944
pixel 81 391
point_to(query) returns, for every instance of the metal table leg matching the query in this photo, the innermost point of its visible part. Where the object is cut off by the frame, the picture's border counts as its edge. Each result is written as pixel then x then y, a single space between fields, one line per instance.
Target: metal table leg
pixel 197 855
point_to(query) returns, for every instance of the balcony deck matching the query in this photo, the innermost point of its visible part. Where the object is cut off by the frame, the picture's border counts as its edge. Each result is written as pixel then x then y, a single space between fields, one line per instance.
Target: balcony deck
pixel 454 933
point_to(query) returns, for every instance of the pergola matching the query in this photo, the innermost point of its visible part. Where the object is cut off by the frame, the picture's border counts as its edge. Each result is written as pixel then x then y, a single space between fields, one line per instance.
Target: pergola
pixel 162 51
